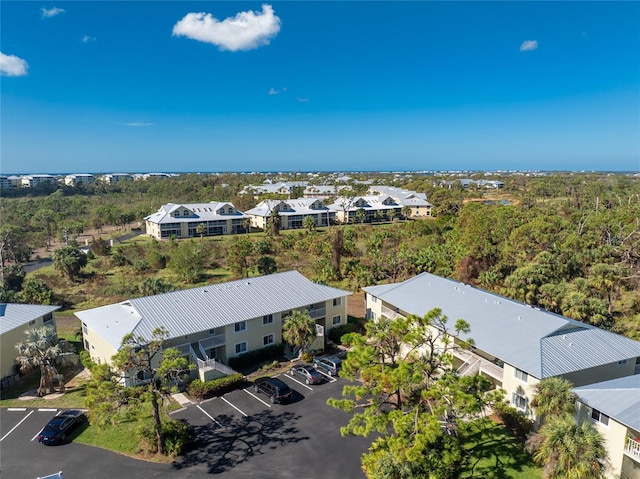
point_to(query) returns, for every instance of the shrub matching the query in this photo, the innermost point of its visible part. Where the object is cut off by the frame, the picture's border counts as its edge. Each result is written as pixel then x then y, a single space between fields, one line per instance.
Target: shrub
pixel 176 437
pixel 307 357
pixel 335 334
pixel 258 356
pixel 519 425
pixel 216 387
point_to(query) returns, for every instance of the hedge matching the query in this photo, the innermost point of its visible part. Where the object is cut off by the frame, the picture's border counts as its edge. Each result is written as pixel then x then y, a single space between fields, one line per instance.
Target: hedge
pixel 336 333
pixel 257 356
pixel 216 387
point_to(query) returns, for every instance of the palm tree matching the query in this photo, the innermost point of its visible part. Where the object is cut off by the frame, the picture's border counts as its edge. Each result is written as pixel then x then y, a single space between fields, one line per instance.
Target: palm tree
pixel 554 398
pixel 406 211
pixel 391 214
pixel 274 222
pixel 570 450
pixel 41 349
pixel 361 214
pixel 309 223
pixel 201 229
pixel 379 215
pixel 69 261
pixel 299 329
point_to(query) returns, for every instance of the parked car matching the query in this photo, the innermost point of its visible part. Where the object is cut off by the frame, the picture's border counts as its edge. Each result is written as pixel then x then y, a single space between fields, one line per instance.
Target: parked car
pixel 57 429
pixel 308 373
pixel 329 365
pixel 277 390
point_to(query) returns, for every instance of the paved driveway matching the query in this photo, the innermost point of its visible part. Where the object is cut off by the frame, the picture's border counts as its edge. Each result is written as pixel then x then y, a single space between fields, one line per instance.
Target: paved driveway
pixel 239 435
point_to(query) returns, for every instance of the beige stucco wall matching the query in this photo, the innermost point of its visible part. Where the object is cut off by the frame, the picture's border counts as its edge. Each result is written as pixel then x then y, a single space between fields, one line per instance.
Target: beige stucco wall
pixel 8 342
pixel 614 435
pixel 99 350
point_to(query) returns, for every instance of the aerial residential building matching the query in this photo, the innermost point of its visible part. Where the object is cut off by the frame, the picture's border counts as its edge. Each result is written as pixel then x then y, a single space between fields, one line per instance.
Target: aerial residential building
pixel 78 179
pixel 31 181
pixel 112 178
pixel 417 202
pixel 614 407
pixel 15 319
pixel 292 213
pixel 217 321
pixel 281 188
pixel 182 221
pixel 5 182
pixel 515 345
pixel 373 207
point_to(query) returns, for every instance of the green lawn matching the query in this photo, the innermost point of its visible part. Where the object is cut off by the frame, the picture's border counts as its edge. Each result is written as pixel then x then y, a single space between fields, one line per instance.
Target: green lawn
pixel 496 454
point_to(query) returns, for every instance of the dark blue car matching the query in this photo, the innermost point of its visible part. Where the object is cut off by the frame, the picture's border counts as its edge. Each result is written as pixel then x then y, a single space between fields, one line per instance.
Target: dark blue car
pixel 56 430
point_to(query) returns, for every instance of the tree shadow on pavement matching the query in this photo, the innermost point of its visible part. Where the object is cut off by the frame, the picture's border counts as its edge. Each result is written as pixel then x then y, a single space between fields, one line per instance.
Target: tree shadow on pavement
pixel 232 441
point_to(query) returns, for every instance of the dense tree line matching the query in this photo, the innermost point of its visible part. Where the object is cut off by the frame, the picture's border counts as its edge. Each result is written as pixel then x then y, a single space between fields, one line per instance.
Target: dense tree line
pixel 569 243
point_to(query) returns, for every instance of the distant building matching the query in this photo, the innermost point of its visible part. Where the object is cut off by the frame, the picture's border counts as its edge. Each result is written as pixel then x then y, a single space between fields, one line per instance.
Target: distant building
pixel 373 207
pixel 5 182
pixel 31 181
pixel 182 220
pixel 292 212
pixel 281 188
pixel 78 179
pixel 406 198
pixel 113 178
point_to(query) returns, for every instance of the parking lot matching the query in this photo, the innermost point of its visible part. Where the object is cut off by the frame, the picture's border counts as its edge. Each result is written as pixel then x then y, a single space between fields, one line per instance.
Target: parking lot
pixel 240 434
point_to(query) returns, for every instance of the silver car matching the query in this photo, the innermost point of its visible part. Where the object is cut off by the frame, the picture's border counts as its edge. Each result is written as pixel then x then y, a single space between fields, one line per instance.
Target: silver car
pixel 329 365
pixel 309 374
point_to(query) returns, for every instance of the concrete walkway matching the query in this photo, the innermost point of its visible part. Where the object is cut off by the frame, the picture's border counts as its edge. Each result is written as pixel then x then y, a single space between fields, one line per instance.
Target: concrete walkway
pixel 181 399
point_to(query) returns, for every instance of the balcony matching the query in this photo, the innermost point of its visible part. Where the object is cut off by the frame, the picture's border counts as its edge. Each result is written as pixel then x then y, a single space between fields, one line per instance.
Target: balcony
pixel 474 363
pixel 632 447
pixel 317 313
pixel 390 313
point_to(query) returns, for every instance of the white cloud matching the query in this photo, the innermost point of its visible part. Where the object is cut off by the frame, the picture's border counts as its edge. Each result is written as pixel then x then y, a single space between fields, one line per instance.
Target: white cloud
pixel 88 38
pixel 529 45
pixel 302 100
pixel 12 66
pixel 138 123
pixel 273 91
pixel 246 31
pixel 51 12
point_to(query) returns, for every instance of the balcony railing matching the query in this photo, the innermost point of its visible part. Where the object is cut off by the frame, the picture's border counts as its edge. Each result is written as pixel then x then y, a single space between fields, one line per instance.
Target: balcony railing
pixel 212 342
pixel 474 363
pixel 317 313
pixel 632 447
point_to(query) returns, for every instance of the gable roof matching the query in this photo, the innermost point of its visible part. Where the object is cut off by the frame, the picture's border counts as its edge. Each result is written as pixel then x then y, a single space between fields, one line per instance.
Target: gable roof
pixel 200 309
pixel 200 211
pixel 617 398
pixel 299 206
pixel 541 343
pixel 14 315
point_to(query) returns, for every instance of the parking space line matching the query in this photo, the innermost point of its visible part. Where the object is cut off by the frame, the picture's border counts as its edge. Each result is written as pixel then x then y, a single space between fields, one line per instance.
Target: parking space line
pixel 234 407
pixel 14 427
pixel 19 409
pixel 300 383
pixel 209 416
pixel 328 376
pixel 251 394
pixel 43 409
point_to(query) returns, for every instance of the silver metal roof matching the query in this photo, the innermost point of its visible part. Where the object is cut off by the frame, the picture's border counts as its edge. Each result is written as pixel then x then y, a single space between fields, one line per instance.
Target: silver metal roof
pixel 541 343
pixel 200 212
pixel 14 315
pixel 617 398
pixel 207 307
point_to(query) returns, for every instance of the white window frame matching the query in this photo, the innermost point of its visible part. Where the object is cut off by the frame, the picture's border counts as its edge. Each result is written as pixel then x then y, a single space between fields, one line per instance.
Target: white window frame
pixel 265 339
pixel 337 302
pixel 521 375
pixel 240 327
pixel 243 343
pixel 622 363
pixel 519 401
pixel 267 319
pixel 599 417
pixel 32 322
pixel 333 320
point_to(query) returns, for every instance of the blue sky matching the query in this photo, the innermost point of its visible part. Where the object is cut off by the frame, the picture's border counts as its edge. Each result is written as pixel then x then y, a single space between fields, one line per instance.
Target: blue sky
pixel 92 87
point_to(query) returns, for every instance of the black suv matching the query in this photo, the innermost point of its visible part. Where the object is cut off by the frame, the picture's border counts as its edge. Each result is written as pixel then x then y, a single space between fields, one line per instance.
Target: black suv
pixel 274 388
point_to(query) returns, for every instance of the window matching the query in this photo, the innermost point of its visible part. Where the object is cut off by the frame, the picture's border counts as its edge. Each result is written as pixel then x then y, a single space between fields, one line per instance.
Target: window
pixel 373 315
pixel 519 401
pixel 337 301
pixel 521 375
pixel 268 339
pixel 599 417
pixel 241 326
pixel 47 318
pixel 241 347
pixel 31 323
pixel 622 363
pixel 374 299
pixel 84 329
pixel 268 319
pixel 337 320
